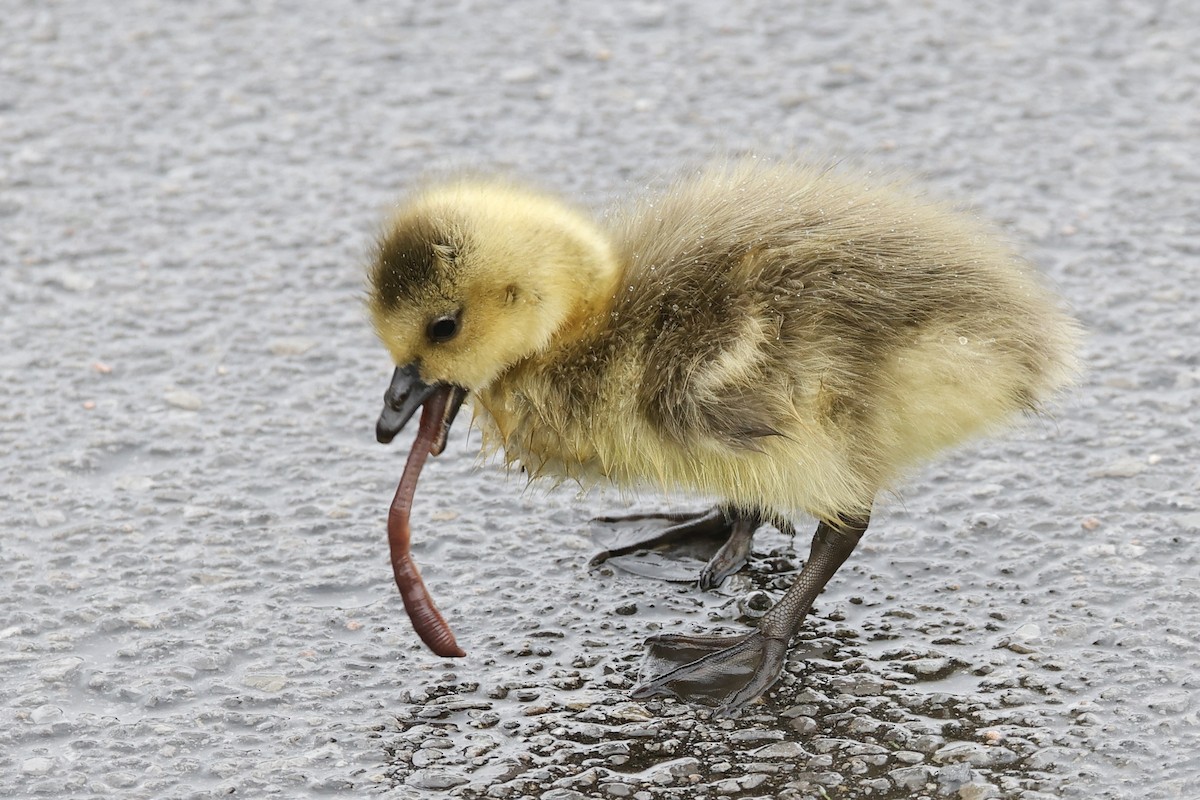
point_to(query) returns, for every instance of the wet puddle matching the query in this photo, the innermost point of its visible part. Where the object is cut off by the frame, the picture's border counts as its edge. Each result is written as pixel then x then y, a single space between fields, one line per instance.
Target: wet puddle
pixel 857 713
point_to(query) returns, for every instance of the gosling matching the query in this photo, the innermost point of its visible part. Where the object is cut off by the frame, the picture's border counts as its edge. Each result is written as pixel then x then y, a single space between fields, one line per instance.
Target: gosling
pixel 784 338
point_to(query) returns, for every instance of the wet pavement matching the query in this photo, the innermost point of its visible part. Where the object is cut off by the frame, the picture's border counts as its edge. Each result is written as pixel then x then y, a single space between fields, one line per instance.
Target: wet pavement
pixel 194 591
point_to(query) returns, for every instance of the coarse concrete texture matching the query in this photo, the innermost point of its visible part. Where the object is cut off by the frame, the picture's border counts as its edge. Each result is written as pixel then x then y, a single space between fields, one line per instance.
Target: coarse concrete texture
pixel 194 589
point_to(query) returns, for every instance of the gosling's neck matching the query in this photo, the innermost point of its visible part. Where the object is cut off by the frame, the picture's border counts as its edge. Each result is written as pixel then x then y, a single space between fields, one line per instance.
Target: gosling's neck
pixel 595 295
pixel 579 278
pixel 585 278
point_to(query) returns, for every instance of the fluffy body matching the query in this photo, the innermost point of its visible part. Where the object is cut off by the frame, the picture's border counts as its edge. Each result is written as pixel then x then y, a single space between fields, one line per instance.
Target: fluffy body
pixel 781 337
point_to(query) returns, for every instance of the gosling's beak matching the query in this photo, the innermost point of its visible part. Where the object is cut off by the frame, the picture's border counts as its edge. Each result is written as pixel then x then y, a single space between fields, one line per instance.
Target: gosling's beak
pixel 406 393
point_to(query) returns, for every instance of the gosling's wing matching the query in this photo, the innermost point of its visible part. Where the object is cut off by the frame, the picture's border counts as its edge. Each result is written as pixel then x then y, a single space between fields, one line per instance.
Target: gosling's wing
pixel 708 371
pixel 701 306
pixel 734 415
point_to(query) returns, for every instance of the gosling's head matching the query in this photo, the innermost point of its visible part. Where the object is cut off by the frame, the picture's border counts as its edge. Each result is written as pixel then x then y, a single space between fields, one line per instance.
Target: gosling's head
pixel 473 277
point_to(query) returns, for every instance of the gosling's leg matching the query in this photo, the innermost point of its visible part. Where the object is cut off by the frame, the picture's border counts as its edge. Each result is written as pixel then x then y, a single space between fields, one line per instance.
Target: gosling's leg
pixel 740 668
pixel 734 554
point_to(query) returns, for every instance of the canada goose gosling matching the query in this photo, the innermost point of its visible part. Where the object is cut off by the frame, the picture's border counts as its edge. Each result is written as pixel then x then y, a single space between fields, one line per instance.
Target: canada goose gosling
pixel 783 338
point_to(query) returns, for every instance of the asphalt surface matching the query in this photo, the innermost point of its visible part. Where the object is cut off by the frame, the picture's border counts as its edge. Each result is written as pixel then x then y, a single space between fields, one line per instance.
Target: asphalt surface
pixel 194 592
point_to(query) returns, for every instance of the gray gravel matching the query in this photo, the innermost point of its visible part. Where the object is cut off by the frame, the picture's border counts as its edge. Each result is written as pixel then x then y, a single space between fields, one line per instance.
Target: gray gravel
pixel 194 592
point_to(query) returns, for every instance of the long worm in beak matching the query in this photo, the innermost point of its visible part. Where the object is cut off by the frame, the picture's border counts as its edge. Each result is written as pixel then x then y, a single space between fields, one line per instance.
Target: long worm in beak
pixel 426 619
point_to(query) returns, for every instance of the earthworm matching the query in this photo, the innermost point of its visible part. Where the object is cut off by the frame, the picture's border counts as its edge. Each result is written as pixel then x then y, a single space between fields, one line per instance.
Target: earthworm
pixel 427 621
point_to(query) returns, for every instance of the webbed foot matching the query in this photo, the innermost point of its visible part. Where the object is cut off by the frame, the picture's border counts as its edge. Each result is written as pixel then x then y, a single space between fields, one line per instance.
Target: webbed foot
pixel 735 528
pixel 682 526
pixel 732 670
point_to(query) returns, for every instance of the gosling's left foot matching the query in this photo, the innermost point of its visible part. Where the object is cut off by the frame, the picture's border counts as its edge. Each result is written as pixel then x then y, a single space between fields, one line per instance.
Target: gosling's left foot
pixel 732 670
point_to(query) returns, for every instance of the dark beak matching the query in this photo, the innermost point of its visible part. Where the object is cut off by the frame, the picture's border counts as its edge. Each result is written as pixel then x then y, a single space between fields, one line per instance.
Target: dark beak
pixel 406 393
pixel 401 400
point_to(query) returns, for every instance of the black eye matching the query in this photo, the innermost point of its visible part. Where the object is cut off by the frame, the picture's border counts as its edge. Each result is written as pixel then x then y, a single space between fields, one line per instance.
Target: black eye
pixel 443 329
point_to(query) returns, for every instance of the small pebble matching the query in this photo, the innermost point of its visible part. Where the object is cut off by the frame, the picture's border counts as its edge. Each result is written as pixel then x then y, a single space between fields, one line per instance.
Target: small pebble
pixel 975 754
pixel 267 682
pixel 47 713
pixel 183 399
pixel 911 779
pixel 291 346
pixel 429 779
pixel 781 750
pixel 60 670
pixel 37 766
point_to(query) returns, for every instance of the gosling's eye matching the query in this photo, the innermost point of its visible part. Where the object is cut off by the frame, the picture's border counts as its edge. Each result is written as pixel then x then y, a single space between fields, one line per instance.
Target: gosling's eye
pixel 443 329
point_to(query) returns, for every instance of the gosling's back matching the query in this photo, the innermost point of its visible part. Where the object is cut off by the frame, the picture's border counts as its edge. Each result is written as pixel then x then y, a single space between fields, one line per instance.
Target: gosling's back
pixel 789 338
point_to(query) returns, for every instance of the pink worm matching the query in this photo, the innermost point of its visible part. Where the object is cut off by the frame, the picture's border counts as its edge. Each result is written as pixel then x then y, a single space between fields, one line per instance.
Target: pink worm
pixel 427 621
